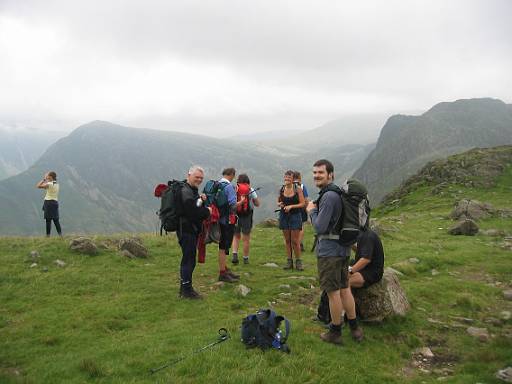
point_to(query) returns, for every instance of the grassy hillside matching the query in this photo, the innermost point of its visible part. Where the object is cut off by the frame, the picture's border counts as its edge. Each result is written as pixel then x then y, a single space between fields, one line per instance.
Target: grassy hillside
pixel 108 319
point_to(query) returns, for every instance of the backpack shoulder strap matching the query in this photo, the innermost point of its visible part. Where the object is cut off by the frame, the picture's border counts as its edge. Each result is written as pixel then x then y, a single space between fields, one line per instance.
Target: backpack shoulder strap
pixel 279 320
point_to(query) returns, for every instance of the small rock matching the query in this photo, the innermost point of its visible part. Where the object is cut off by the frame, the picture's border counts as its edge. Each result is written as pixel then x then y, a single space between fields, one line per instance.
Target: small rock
pixel 284 286
pixel 134 246
pixel 493 232
pixel 507 294
pixel 270 223
pixel 60 263
pixel 271 265
pixel 44 269
pixel 83 245
pixel 505 315
pixel 465 227
pixel 463 319
pixel 285 294
pixel 218 285
pixel 434 272
pixel 505 375
pixel 242 290
pixel 414 260
pixel 480 333
pixel 494 321
pixel 311 286
pixel 127 253
pixel 34 255
pixel 425 352
pixel 33 265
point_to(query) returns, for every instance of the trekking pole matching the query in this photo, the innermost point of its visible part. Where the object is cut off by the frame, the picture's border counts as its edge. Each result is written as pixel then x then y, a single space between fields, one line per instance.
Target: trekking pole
pixel 223 336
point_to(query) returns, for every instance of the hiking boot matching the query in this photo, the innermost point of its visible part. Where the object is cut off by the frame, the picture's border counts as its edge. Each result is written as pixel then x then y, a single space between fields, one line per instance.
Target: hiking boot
pixel 227 278
pixel 298 265
pixel 230 273
pixel 190 293
pixel 246 260
pixel 332 337
pixel 234 260
pixel 357 334
pixel 289 264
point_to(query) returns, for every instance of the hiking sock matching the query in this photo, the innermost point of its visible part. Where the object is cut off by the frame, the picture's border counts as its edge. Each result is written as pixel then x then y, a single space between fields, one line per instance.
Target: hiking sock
pixel 234 259
pixel 246 259
pixel 352 323
pixel 335 328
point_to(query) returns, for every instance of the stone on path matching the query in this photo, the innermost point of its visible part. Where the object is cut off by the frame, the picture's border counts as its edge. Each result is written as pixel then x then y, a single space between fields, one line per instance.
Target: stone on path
pixel 271 265
pixel 83 245
pixel 382 300
pixel 425 352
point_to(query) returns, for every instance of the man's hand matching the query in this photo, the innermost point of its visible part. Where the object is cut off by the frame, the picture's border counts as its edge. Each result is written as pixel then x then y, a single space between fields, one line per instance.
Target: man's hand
pixel 310 207
pixel 203 197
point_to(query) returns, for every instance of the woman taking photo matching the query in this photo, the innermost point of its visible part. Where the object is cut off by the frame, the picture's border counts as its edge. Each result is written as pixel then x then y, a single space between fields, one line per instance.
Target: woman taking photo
pixel 51 203
pixel 291 201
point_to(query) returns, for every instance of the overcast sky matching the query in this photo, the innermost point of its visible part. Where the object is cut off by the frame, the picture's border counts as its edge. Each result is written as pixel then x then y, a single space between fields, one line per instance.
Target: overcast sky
pixel 224 67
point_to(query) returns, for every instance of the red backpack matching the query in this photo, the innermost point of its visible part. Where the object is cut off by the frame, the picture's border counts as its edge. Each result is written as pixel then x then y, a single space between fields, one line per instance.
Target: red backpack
pixel 243 189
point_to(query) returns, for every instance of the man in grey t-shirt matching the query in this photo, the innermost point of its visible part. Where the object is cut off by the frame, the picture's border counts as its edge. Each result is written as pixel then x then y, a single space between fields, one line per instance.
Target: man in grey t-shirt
pixel 332 256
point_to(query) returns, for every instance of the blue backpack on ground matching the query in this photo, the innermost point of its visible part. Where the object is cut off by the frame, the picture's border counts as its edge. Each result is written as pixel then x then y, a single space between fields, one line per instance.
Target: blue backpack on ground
pixel 262 330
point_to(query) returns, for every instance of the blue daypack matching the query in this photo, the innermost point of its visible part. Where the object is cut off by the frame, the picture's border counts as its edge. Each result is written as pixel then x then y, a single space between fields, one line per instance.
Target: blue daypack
pixel 262 330
pixel 215 194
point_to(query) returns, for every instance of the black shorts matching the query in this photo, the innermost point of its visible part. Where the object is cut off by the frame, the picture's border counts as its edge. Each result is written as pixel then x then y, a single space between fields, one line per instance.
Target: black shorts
pixel 244 224
pixel 51 209
pixel 370 277
pixel 226 236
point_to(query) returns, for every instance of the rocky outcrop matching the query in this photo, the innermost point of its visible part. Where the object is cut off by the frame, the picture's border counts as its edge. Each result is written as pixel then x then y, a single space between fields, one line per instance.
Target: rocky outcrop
pixel 472 209
pixel 381 300
pixel 134 247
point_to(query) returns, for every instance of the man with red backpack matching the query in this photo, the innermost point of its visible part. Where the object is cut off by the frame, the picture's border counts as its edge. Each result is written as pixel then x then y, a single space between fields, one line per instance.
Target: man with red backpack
pixel 247 199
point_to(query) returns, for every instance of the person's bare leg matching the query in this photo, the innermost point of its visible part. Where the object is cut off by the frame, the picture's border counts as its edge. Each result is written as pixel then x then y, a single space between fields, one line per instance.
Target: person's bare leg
pixel 235 244
pixel 287 241
pixel 350 308
pixel 334 333
pixel 296 249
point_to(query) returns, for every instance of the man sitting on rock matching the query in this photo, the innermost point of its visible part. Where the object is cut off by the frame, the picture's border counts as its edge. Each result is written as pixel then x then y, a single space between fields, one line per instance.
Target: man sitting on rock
pixel 369 263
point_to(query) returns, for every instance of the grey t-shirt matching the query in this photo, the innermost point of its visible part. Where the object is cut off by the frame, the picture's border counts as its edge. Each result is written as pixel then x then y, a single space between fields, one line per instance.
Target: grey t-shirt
pixel 324 219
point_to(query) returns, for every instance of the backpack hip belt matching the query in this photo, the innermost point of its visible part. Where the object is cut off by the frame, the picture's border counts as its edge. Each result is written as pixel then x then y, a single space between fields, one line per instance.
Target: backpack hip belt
pixel 330 236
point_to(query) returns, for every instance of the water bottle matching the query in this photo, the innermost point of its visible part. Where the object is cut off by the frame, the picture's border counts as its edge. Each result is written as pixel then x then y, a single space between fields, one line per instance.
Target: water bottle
pixel 199 202
pixel 276 343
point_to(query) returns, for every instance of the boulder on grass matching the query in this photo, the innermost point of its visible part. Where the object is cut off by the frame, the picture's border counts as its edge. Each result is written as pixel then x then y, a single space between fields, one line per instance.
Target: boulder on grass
pixel 465 227
pixel 83 245
pixel 269 223
pixel 134 246
pixel 472 209
pixel 381 300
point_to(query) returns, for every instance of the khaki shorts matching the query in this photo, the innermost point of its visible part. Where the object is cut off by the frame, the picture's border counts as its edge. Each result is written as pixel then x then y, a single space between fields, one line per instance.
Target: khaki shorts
pixel 333 273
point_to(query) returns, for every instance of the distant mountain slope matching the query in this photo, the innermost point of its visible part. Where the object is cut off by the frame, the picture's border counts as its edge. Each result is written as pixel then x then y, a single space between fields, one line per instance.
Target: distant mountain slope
pixel 19 149
pixel 406 143
pixel 107 174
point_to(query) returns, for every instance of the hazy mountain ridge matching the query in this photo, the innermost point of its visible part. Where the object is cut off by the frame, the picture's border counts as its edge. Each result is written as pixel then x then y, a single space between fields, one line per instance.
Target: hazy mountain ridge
pixel 406 143
pixel 107 174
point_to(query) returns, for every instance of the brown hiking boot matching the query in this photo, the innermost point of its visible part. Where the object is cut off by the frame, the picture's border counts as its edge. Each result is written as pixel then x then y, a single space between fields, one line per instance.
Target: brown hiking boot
pixel 357 334
pixel 289 264
pixel 190 293
pixel 298 265
pixel 227 278
pixel 332 337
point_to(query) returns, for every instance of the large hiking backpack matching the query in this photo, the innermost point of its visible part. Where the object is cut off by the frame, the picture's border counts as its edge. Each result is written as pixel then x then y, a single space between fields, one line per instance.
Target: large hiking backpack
pixel 262 330
pixel 215 194
pixel 243 189
pixel 170 205
pixel 355 214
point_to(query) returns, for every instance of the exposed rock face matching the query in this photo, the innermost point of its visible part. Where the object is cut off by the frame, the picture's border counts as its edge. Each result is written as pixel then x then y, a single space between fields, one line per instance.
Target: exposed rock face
pixel 382 300
pixel 465 227
pixel 83 245
pixel 134 246
pixel 472 209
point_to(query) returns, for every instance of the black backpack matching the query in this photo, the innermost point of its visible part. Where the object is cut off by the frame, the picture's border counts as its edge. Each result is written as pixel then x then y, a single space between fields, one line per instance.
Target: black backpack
pixel 171 206
pixel 262 330
pixel 355 214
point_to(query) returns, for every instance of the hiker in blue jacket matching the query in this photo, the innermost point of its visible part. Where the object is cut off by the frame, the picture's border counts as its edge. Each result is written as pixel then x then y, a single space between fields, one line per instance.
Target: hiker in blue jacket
pixel 332 256
pixel 227 225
